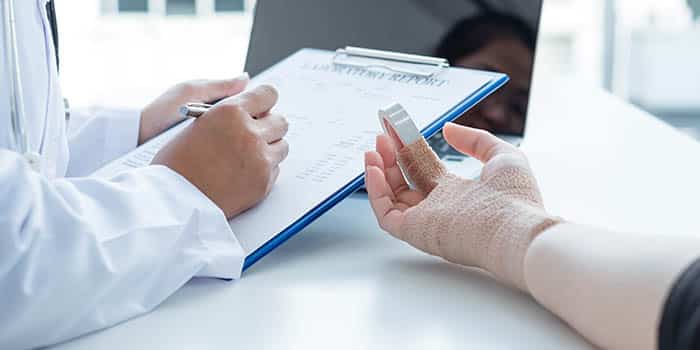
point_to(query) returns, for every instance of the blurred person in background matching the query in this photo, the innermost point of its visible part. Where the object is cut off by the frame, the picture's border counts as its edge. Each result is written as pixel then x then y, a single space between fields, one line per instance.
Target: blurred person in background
pixel 496 42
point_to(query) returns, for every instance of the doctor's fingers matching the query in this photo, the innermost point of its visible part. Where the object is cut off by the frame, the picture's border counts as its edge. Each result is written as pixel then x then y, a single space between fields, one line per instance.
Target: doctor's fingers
pixel 257 102
pixel 277 152
pixel 274 174
pixel 273 127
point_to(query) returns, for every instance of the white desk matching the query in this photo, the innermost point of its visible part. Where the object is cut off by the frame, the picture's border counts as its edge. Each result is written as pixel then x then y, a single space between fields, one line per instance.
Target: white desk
pixel 344 284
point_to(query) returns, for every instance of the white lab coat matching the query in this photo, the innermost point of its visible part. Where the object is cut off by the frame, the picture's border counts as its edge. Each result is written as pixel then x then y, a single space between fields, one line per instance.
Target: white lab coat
pixel 78 254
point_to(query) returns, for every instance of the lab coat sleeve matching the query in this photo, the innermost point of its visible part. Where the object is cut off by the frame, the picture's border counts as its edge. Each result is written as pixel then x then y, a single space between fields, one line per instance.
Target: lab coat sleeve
pixel 78 255
pixel 97 136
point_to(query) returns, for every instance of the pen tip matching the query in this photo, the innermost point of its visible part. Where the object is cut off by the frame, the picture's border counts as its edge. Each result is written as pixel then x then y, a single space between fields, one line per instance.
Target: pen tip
pixel 183 110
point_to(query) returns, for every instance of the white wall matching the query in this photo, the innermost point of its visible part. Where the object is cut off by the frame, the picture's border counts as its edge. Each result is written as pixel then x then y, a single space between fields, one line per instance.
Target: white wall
pixel 571 39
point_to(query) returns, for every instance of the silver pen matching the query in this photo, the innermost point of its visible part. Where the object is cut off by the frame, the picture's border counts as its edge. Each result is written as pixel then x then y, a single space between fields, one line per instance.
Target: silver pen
pixel 194 109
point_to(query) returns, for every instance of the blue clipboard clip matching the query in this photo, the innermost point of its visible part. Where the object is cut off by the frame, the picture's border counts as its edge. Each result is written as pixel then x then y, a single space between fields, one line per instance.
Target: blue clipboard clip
pixel 379 60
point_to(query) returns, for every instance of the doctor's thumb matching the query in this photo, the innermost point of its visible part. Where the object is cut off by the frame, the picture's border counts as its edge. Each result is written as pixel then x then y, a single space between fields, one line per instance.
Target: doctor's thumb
pixel 215 90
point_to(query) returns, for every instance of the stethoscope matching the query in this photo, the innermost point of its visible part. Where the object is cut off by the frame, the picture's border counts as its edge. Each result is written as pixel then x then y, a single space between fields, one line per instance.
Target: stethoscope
pixel 20 138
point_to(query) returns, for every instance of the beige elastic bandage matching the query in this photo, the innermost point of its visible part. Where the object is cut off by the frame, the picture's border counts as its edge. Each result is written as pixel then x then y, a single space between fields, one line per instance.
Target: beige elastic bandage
pixel 417 163
pixel 487 223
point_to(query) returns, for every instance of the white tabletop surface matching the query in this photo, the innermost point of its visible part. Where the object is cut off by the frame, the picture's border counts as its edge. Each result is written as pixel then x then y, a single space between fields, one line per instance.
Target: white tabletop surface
pixel 342 283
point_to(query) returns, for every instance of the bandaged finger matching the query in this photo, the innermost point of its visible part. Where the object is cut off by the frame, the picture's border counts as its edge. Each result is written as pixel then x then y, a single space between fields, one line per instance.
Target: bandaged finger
pixel 419 164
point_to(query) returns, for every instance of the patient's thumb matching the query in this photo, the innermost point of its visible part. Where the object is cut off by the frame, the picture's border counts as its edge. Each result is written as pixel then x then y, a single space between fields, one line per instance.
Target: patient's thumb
pixel 421 165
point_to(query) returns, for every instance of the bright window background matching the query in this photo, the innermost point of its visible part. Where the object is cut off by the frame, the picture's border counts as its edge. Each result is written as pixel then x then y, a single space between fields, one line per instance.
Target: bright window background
pixel 125 52
pixel 646 52
pixel 657 60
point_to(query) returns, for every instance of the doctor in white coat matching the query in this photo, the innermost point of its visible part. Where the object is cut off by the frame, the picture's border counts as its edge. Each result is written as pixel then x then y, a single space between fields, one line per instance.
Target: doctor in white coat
pixel 78 254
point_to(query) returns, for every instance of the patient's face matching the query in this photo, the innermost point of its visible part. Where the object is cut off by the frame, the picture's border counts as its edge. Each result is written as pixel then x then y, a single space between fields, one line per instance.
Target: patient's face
pixel 504 111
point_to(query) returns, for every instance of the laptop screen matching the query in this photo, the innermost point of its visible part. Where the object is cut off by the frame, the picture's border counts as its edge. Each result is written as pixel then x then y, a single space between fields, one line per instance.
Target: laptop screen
pixel 497 35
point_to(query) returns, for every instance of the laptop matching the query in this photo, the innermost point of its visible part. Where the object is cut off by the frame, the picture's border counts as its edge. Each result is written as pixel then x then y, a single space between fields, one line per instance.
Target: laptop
pixel 496 35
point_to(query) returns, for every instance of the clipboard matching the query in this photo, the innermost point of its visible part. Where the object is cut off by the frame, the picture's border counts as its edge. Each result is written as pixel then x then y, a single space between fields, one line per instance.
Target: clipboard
pixel 331 99
pixel 370 59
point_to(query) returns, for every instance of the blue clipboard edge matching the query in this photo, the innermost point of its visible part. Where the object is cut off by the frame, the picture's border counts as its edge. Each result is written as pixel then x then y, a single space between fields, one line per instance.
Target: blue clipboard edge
pixel 469 102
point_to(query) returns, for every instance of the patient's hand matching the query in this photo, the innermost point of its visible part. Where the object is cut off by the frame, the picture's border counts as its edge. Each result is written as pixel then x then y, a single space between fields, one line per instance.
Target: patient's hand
pixel 486 223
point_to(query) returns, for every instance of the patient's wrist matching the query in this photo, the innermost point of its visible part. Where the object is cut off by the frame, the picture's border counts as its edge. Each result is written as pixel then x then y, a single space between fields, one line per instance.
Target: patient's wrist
pixel 513 238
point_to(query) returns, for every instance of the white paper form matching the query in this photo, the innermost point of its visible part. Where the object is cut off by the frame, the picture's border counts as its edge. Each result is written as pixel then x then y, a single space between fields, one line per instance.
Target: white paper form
pixel 332 114
pixel 143 155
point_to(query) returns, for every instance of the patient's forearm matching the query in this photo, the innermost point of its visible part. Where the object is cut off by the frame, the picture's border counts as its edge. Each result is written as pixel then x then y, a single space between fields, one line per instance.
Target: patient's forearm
pixel 611 287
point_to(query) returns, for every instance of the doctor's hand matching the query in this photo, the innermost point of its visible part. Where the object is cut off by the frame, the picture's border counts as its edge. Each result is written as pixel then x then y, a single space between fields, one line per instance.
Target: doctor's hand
pixel 232 152
pixel 163 112
pixel 487 223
